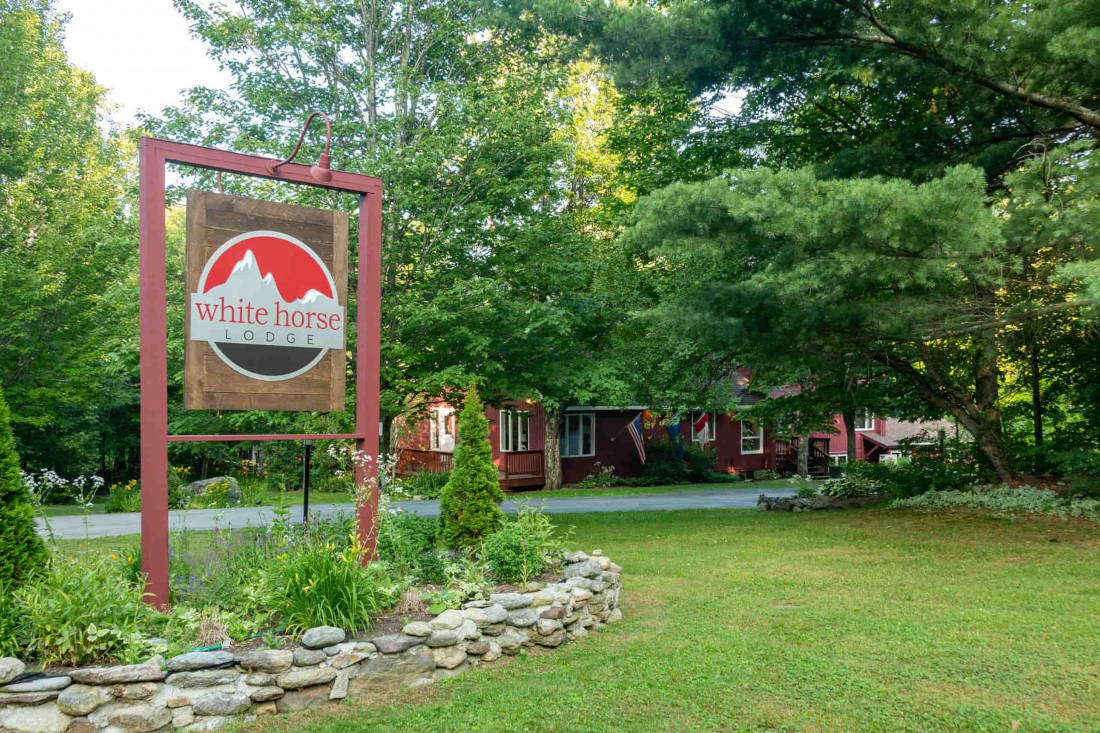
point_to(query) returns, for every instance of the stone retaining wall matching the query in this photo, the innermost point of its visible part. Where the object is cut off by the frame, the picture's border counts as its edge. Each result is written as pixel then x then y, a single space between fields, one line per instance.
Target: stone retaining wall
pixel 205 690
pixel 815 503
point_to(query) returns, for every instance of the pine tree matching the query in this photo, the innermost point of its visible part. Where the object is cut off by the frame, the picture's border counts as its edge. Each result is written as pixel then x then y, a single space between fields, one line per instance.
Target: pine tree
pixel 470 506
pixel 22 552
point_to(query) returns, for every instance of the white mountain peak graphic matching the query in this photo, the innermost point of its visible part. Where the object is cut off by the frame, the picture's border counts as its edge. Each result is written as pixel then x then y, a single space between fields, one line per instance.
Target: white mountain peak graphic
pixel 245 281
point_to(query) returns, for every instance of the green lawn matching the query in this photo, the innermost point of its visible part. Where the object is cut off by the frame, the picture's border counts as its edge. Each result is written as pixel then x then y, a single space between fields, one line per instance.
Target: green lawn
pixel 572 493
pixel 860 620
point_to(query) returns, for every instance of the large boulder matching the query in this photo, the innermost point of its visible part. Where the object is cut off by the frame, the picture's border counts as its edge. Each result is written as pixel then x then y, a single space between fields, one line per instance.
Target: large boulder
pixel 198 487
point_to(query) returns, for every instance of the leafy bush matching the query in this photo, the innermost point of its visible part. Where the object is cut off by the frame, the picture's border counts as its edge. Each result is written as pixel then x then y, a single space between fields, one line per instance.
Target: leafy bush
pixel 699 463
pixel 433 566
pixel 123 498
pixel 549 540
pixel 214 495
pixel 22 553
pixel 406 542
pixel 470 507
pixel 1082 467
pixel 765 474
pixel 466 576
pixel 512 554
pixel 953 469
pixel 669 463
pixel 806 492
pixel 600 476
pixel 853 485
pixel 177 479
pixel 11 623
pixel 1005 499
pixel 426 484
pixel 322 586
pixel 76 613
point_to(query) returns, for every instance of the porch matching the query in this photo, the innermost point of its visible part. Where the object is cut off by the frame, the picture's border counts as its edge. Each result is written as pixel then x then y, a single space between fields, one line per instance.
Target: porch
pixel 412 461
pixel 786 457
pixel 521 469
pixel 515 469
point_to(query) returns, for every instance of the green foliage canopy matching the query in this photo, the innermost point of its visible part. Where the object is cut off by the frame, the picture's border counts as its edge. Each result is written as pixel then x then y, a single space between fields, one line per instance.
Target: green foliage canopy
pixel 66 243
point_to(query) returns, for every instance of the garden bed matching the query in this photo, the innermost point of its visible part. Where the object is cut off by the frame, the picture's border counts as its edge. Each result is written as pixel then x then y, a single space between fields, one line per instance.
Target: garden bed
pixel 206 689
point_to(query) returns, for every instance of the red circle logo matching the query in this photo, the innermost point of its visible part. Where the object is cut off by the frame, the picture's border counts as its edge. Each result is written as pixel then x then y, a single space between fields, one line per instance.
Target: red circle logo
pixel 268 306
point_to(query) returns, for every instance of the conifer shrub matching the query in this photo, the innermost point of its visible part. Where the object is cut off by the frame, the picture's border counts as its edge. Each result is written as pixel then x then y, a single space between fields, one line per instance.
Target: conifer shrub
pixel 470 506
pixel 22 553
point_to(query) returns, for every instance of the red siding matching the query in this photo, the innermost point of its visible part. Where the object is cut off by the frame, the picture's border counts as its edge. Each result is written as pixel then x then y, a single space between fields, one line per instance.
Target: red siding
pixel 414 435
pixel 615 448
pixel 613 444
pixel 537 436
pixel 838 441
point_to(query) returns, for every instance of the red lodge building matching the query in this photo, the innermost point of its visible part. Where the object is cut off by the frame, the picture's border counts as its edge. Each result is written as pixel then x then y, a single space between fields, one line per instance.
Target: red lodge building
pixel 597 437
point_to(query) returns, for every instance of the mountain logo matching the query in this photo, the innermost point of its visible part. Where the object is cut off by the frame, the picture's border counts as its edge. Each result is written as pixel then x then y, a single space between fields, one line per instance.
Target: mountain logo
pixel 268 306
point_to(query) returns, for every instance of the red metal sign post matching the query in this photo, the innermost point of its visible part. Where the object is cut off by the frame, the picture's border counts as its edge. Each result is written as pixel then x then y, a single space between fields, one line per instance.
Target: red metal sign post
pixel 154 155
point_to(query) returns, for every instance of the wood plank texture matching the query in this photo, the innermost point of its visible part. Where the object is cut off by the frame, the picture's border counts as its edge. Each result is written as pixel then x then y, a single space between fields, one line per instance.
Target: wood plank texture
pixel 209 383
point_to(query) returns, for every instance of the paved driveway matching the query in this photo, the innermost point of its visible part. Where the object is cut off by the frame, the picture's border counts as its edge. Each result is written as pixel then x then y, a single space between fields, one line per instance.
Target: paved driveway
pixel 106 525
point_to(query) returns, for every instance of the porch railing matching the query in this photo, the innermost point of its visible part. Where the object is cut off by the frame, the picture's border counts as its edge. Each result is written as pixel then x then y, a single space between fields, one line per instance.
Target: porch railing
pixel 522 463
pixel 412 461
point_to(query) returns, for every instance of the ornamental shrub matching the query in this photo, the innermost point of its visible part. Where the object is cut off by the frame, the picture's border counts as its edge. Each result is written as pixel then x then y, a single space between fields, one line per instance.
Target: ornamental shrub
pixel 699 463
pixel 123 498
pixel 80 612
pixel 664 463
pixel 951 469
pixel 469 509
pixel 512 554
pixel 320 585
pixel 426 484
pixel 22 553
pixel 550 541
pixel 406 542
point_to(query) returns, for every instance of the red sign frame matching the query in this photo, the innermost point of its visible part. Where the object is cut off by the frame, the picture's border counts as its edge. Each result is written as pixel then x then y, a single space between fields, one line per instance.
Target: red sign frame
pixel 154 154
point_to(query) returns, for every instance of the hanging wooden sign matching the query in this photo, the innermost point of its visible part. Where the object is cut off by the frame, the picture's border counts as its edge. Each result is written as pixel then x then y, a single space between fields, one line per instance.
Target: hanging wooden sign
pixel 266 305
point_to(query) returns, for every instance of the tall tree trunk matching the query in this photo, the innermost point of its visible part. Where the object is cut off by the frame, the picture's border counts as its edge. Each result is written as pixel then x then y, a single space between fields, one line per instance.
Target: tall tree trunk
pixel 979 416
pixel 551 451
pixel 849 417
pixel 986 394
pixel 804 455
pixel 386 438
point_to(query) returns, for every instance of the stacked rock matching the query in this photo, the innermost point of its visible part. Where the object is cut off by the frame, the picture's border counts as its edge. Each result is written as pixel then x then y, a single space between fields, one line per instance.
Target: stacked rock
pixel 205 690
pixel 815 503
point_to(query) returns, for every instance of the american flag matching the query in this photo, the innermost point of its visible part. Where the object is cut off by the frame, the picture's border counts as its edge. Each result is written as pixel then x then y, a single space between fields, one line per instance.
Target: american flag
pixel 700 426
pixel 635 430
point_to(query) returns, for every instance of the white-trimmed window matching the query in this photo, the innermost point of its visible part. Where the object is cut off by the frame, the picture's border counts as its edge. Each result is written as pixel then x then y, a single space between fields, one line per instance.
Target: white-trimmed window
pixel 838 459
pixel 441 428
pixel 707 436
pixel 752 438
pixel 579 437
pixel 515 430
pixel 865 420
